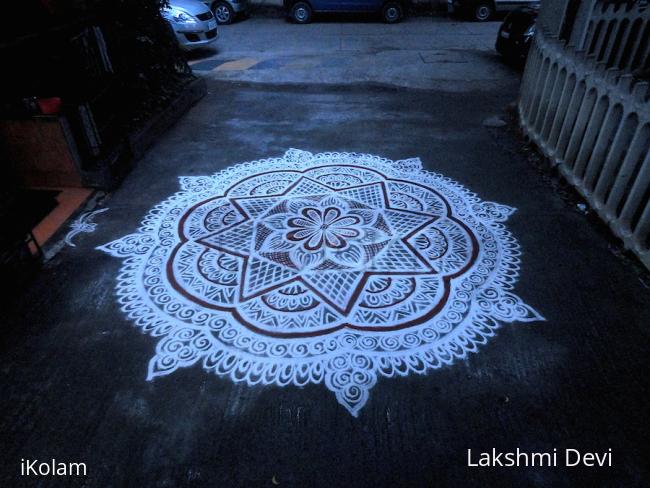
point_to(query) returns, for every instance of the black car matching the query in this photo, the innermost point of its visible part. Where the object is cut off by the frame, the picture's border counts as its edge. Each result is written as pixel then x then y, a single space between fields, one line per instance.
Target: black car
pixel 516 34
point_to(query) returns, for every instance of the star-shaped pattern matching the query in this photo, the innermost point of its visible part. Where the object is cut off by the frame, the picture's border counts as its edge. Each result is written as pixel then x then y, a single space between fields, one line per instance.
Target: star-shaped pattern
pixel 379 241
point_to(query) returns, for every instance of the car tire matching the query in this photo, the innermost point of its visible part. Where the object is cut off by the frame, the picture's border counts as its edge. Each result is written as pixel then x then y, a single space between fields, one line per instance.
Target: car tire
pixel 483 11
pixel 392 12
pixel 223 13
pixel 301 13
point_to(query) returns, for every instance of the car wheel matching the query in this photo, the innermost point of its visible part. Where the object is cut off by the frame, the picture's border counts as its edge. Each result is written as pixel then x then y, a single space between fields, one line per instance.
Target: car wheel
pixel 223 13
pixel 483 11
pixel 392 12
pixel 301 13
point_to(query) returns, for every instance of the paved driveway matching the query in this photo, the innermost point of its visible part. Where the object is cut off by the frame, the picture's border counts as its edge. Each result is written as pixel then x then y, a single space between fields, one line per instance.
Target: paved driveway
pixel 420 52
pixel 73 369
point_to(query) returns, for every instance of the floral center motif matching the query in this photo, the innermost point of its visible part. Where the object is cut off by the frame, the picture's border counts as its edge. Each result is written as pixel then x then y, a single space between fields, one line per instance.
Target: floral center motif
pixel 327 227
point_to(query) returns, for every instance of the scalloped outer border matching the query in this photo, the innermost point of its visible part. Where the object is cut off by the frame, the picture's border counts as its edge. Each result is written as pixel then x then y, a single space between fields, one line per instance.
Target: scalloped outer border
pixel 347 371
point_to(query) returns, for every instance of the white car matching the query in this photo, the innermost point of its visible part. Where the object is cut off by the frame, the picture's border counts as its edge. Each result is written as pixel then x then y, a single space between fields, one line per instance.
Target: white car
pixel 192 22
pixel 225 11
pixel 482 10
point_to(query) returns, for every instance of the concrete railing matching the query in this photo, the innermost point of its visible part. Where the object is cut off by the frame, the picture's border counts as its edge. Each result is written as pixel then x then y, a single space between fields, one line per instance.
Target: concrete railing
pixel 618 34
pixel 594 123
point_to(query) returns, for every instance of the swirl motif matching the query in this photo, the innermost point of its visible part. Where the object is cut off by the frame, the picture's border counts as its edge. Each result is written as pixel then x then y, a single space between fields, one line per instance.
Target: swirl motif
pixel 331 268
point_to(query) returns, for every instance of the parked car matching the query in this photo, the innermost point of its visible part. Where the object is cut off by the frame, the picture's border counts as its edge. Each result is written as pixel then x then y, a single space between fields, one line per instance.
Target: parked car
pixel 482 10
pixel 225 11
pixel 192 22
pixel 301 11
pixel 516 34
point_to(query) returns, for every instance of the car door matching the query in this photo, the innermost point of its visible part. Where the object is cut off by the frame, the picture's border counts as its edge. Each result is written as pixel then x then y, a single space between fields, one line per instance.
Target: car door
pixel 359 5
pixel 328 5
pixel 345 5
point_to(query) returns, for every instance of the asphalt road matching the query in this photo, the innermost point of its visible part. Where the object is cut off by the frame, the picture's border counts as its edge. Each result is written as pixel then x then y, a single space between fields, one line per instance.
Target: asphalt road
pixel 73 368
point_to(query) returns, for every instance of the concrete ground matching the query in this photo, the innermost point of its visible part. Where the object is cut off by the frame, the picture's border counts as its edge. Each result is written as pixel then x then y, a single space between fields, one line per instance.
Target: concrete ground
pixel 73 368
pixel 420 52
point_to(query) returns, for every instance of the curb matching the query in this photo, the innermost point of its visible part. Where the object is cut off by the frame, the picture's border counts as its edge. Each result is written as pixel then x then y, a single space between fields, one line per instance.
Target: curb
pixel 122 159
pixel 143 139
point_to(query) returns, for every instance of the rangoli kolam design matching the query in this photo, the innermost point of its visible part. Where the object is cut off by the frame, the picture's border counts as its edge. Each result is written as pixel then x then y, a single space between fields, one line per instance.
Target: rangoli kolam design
pixel 334 268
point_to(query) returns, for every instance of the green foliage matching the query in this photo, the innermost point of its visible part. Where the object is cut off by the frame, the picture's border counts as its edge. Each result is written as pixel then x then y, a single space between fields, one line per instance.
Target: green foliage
pixel 145 53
